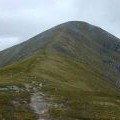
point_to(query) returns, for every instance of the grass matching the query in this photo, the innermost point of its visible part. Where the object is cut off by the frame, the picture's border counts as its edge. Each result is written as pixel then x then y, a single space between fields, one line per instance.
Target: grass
pixel 12 106
pixel 76 90
pixel 72 63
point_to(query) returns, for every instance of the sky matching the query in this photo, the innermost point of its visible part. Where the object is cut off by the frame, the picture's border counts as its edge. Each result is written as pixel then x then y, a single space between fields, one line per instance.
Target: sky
pixel 22 19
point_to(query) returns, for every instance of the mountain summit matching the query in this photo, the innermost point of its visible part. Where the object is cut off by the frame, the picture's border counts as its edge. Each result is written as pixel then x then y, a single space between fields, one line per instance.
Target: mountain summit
pixel 80 33
pixel 78 66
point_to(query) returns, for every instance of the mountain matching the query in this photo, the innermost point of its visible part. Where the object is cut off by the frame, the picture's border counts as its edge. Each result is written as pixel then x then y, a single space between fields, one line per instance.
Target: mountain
pixel 76 68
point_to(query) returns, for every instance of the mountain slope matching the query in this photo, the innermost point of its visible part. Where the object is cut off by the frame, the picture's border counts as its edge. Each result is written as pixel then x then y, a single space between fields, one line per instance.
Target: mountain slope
pixel 76 63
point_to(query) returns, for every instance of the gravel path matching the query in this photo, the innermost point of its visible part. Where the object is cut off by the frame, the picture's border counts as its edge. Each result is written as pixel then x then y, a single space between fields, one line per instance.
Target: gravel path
pixel 39 105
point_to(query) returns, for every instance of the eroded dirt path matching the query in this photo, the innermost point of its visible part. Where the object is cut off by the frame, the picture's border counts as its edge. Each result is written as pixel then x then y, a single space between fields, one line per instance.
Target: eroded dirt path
pixel 38 103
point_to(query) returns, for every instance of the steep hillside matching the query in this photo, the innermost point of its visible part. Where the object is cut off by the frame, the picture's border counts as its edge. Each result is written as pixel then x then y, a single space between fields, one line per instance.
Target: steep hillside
pixel 75 69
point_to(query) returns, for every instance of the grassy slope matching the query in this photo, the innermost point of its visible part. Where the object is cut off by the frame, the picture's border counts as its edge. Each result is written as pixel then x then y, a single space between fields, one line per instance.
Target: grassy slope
pixel 72 70
pixel 79 89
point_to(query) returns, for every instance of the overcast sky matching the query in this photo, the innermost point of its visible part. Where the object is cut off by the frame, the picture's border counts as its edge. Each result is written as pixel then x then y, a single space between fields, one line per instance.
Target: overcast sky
pixel 22 19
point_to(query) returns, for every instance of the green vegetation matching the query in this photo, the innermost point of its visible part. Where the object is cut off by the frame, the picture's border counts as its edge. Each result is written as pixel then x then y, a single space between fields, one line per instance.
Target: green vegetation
pixel 72 72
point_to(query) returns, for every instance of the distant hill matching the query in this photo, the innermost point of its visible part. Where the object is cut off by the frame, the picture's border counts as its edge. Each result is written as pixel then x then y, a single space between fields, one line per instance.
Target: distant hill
pixel 78 65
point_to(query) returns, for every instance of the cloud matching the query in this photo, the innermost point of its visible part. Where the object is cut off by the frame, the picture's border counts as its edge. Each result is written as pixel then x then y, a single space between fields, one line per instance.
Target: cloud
pixel 22 19
pixel 7 42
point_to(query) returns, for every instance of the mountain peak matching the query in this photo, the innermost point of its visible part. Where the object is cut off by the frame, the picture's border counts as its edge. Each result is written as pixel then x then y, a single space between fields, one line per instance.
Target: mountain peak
pixel 76 24
pixel 70 37
pixel 71 66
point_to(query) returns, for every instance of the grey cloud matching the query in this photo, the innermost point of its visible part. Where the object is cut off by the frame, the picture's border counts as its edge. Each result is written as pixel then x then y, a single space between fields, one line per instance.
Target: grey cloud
pixel 22 19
